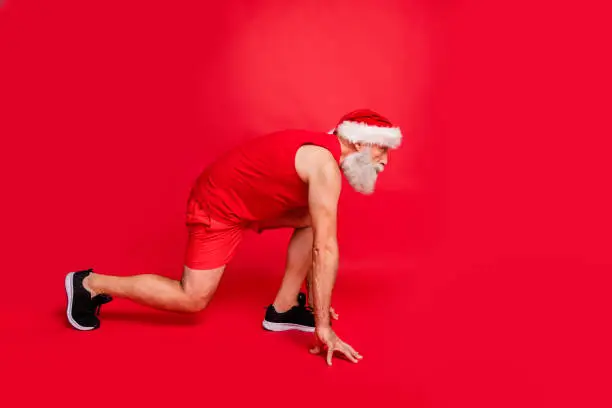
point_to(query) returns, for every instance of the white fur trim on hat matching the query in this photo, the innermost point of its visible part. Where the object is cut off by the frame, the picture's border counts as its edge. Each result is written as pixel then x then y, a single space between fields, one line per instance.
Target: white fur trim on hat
pixel 356 132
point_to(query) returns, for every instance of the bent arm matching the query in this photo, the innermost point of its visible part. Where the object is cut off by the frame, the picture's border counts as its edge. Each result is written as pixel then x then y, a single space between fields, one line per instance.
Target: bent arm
pixel 323 192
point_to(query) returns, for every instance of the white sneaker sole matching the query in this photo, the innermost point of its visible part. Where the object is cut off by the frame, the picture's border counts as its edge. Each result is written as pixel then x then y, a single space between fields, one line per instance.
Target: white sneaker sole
pixel 70 295
pixel 279 327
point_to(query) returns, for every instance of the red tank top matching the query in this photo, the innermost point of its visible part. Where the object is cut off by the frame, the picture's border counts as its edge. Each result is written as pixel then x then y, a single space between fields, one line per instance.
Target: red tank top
pixel 257 180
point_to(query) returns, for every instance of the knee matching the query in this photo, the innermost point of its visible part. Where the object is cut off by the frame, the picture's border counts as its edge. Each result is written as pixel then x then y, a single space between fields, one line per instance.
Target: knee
pixel 195 304
pixel 305 221
pixel 198 287
pixel 302 224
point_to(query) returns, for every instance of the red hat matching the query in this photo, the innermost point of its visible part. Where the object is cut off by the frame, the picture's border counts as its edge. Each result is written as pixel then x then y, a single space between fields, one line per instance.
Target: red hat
pixel 366 126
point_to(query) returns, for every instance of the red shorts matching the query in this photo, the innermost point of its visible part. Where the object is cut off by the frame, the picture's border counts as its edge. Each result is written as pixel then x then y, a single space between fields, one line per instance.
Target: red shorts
pixel 211 244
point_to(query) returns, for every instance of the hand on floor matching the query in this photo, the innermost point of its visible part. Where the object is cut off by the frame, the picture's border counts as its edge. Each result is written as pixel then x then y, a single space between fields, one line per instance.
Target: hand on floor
pixel 327 340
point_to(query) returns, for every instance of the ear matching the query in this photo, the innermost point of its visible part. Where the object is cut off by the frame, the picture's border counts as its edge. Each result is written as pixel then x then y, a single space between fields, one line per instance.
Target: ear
pixel 359 146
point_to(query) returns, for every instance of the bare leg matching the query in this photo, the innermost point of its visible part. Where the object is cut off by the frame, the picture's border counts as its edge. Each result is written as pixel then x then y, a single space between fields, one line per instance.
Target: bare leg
pixel 191 294
pixel 298 263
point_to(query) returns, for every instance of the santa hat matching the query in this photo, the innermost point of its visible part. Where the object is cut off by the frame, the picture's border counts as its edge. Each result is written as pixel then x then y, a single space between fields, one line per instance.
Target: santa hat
pixel 368 127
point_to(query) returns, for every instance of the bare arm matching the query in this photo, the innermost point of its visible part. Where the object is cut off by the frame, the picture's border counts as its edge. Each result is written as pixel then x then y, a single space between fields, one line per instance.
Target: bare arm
pixel 317 167
pixel 324 186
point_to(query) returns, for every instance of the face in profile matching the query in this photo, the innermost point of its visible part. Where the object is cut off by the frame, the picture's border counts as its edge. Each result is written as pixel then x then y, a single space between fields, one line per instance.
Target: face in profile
pixel 362 167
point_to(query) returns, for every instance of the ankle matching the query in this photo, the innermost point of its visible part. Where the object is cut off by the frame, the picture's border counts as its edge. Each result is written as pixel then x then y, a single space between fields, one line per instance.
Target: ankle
pixel 282 306
pixel 87 284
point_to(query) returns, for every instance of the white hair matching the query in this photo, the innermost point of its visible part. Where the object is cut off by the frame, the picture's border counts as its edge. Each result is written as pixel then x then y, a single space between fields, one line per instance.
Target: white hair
pixel 360 171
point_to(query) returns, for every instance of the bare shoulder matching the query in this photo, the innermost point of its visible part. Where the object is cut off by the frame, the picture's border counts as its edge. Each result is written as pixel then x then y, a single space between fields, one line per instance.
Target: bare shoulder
pixel 313 161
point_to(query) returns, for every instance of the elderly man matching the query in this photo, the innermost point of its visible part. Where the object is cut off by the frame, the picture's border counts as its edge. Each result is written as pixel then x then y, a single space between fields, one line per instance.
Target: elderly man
pixel 286 179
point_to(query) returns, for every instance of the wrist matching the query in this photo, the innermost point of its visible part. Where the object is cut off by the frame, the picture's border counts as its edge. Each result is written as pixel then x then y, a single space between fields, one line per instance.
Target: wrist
pixel 322 327
pixel 322 320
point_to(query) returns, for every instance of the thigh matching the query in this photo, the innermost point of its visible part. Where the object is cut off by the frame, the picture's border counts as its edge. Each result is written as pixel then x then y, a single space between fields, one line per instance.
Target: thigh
pixel 211 246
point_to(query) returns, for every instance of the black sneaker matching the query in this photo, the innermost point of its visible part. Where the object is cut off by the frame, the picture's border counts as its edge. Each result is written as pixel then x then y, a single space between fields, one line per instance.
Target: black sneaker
pixel 299 317
pixel 82 309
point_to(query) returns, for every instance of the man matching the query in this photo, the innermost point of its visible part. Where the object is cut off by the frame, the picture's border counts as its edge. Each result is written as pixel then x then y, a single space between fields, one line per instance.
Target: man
pixel 287 179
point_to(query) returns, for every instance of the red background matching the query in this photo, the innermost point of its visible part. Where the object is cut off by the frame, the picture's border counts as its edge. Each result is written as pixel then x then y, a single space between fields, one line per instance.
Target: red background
pixel 478 276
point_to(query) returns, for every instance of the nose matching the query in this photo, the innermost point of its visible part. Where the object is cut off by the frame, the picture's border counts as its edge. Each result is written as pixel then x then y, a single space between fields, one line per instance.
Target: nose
pixel 384 159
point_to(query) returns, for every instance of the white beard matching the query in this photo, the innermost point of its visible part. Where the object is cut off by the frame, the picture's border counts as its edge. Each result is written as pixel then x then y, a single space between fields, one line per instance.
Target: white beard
pixel 361 172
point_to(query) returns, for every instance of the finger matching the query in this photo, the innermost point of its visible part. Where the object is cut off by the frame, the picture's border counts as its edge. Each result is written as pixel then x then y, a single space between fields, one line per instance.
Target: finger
pixel 353 351
pixel 330 354
pixel 316 347
pixel 333 313
pixel 349 355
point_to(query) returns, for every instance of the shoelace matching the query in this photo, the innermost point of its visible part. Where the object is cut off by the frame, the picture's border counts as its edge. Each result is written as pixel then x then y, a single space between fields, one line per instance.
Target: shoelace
pixel 98 301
